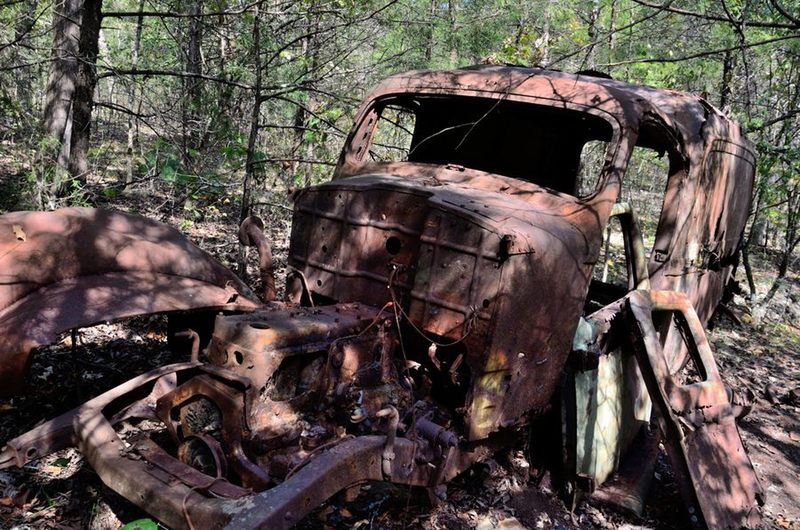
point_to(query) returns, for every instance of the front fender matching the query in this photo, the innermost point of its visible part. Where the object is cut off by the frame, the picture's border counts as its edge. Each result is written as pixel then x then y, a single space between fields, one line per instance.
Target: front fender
pixel 78 267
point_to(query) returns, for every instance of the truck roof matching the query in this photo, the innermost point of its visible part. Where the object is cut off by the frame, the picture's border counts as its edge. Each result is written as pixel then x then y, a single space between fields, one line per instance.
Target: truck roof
pixel 630 104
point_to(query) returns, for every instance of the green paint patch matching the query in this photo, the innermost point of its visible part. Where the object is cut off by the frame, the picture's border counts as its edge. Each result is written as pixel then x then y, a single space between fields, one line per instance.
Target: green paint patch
pixel 141 524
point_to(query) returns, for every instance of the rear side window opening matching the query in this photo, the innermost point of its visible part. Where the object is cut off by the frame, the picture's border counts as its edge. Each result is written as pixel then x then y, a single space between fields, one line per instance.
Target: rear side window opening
pixel 556 148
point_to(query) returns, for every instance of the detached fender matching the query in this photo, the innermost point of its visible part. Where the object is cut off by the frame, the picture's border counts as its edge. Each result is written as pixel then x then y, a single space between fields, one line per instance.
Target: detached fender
pixel 78 267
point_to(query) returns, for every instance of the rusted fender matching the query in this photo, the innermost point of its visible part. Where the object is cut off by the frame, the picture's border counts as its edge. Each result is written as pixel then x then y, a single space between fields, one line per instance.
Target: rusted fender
pixel 714 473
pixel 78 267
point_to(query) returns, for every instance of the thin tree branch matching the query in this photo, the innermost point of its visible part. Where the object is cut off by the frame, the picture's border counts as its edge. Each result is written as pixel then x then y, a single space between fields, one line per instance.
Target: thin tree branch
pixel 791 114
pixel 606 35
pixel 23 65
pixel 25 33
pixel 785 13
pixel 171 73
pixel 324 120
pixel 300 160
pixel 720 18
pixel 123 110
pixel 332 132
pixel 705 53
pixel 332 27
pixel 167 14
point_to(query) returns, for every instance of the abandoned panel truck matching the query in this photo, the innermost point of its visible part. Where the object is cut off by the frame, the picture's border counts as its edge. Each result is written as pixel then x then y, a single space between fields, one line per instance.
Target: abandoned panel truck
pixel 448 292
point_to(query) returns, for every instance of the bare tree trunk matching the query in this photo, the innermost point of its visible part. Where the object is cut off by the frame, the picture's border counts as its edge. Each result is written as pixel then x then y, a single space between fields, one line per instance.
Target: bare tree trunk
pixel 727 78
pixel 545 58
pixel 593 32
pixel 791 240
pixel 132 121
pixel 104 57
pixel 83 98
pixel 748 271
pixel 57 113
pixel 224 92
pixel 312 58
pixel 452 7
pixel 252 139
pixel 193 85
pixel 431 30
pixel 612 27
pixel 21 29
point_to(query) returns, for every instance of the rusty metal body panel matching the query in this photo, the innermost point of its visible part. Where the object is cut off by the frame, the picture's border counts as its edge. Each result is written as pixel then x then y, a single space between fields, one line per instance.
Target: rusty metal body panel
pixel 711 178
pixel 715 474
pixel 78 267
pixel 465 257
pixel 436 304
pixel 450 223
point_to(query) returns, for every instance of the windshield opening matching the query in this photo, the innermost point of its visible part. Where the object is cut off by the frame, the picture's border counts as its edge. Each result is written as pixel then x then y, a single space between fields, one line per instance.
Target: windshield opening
pixel 545 145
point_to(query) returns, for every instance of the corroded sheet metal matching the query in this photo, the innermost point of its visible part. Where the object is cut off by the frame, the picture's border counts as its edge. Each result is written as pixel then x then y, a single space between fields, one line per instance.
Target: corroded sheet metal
pixel 444 302
pixel 462 258
pixel 716 476
pixel 180 497
pixel 707 199
pixel 79 266
pixel 438 225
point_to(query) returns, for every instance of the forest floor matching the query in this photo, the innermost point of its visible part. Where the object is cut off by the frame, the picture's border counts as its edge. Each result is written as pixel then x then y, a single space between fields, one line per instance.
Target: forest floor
pixel 61 491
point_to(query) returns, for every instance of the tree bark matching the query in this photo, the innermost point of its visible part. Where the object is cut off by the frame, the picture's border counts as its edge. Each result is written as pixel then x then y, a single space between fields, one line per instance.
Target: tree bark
pixel 545 55
pixel 430 40
pixel 591 63
pixel 453 12
pixel 60 89
pixel 83 97
pixel 132 120
pixel 312 60
pixel 22 28
pixel 612 27
pixel 194 88
pixel 255 118
pixel 727 78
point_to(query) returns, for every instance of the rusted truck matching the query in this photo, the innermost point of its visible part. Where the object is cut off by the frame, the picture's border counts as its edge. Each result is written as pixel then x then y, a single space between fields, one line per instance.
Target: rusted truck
pixel 443 299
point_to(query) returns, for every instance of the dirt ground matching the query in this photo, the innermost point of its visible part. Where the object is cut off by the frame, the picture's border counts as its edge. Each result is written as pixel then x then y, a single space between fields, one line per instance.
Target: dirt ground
pixel 60 491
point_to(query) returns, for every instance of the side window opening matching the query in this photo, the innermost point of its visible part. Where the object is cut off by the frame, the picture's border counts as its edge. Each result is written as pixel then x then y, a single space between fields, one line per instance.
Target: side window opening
pixel 653 182
pixel 613 269
pixel 593 157
pixel 622 265
pixel 644 187
pixel 643 191
pixel 394 132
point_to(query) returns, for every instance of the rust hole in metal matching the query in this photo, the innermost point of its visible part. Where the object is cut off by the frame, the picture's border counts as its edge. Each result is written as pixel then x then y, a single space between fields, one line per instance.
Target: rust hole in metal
pixel 504 251
pixel 259 325
pixel 393 245
pixel 239 356
pixel 485 303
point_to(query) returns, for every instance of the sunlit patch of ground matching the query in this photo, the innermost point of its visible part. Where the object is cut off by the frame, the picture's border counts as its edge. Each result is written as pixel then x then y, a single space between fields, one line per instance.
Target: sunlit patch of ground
pixel 767 362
